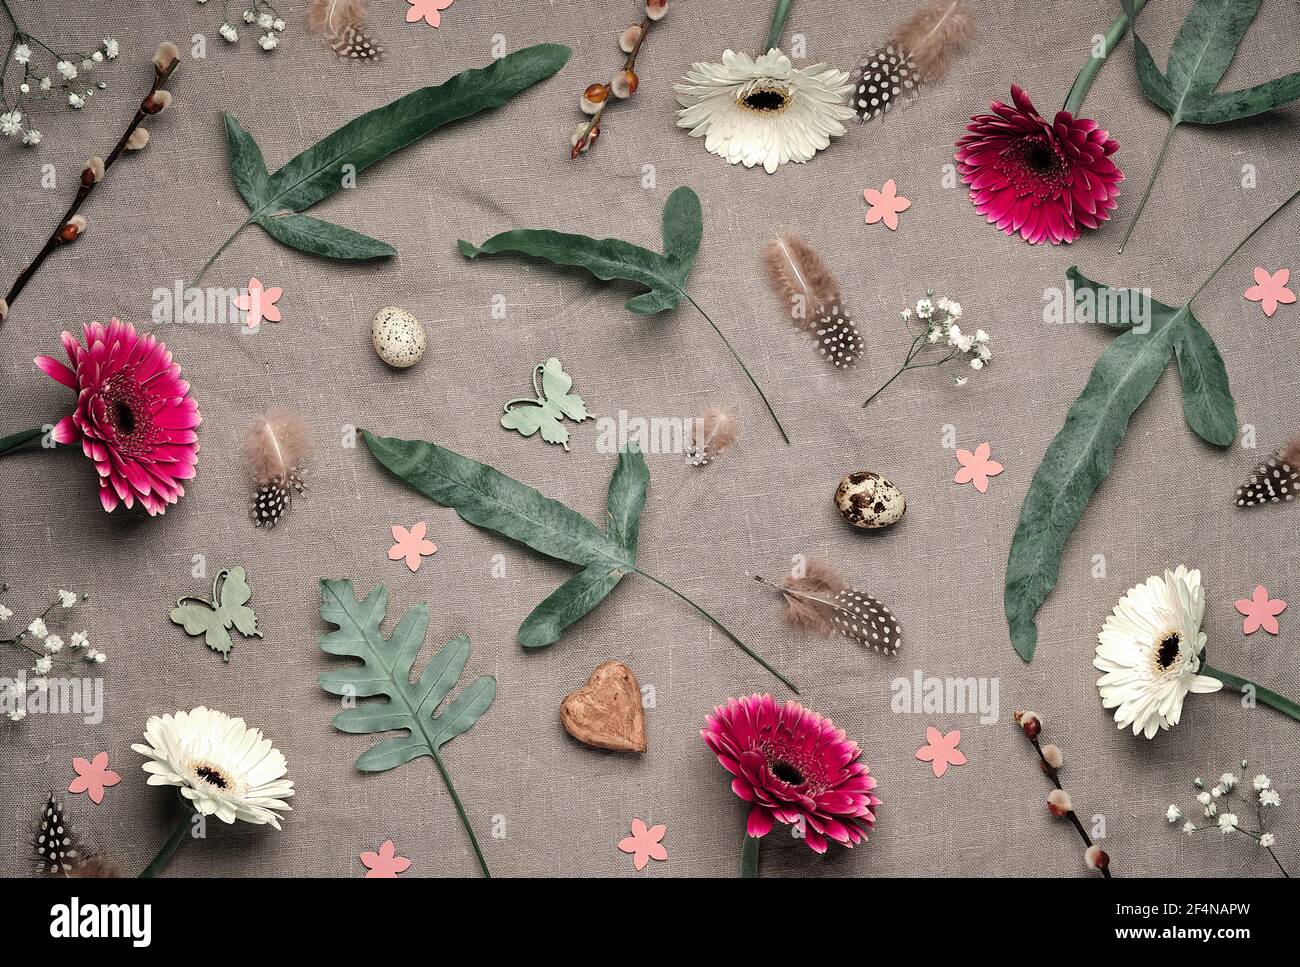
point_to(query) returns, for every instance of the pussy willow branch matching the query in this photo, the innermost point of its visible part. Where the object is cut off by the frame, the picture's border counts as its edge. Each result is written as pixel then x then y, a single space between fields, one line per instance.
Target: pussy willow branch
pixel 84 190
pixel 1078 825
pixel 629 64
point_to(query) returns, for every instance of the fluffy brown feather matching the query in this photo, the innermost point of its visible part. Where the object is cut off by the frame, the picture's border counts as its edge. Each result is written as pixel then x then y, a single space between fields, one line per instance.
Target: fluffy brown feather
pixel 275 449
pixel 797 273
pixel 819 601
pixel 711 434
pixel 341 24
pixel 820 583
pixel 1291 453
pixel 934 35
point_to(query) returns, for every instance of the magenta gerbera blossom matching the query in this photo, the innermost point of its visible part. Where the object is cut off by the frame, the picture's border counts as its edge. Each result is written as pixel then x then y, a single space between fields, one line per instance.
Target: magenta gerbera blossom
pixel 134 415
pixel 792 765
pixel 1046 181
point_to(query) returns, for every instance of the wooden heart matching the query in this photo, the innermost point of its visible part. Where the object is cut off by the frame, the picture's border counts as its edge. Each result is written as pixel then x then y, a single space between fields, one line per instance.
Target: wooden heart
pixel 606 712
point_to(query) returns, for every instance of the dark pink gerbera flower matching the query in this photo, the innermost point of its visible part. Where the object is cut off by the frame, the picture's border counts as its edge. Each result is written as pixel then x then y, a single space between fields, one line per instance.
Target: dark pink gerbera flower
pixel 134 415
pixel 793 764
pixel 1046 181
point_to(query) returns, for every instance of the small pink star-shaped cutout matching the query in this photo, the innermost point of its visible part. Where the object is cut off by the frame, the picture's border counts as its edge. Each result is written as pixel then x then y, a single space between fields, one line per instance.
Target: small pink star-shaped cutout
pixel 1270 291
pixel 93 777
pixel 644 844
pixel 259 303
pixel 386 864
pixel 885 205
pixel 941 750
pixel 411 545
pixel 430 11
pixel 1261 611
pixel 976 467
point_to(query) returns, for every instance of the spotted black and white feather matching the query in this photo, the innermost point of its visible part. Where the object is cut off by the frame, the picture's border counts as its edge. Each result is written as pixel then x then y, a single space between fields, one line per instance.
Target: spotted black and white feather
pixel 820 601
pixel 1274 481
pixel 276 447
pixel 341 24
pixel 837 337
pixel 812 297
pixel 917 53
pixel 57 849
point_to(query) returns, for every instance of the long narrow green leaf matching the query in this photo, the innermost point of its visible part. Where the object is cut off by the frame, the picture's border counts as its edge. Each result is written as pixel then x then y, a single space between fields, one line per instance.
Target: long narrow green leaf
pixel 1207 399
pixel 485 497
pixel 325 239
pixel 626 500
pixel 572 600
pixel 247 167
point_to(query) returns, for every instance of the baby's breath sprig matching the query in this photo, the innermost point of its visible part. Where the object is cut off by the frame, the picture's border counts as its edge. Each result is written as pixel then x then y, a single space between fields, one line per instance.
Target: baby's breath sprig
pixel 939 328
pixel 38 70
pixel 1058 800
pixel 1215 802
pixel 259 14
pixel 596 98
pixel 73 225
pixel 43 637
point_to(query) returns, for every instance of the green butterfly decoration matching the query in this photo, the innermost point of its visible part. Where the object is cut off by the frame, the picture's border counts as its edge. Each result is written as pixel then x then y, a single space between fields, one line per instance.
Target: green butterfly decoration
pixel 214 620
pixel 553 403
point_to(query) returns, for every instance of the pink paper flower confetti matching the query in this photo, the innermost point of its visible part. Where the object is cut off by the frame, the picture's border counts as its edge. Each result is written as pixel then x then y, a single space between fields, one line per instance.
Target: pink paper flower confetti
pixel 941 750
pixel 259 303
pixel 976 467
pixel 1261 611
pixel 885 205
pixel 644 844
pixel 411 545
pixel 430 11
pixel 93 777
pixel 386 864
pixel 1270 291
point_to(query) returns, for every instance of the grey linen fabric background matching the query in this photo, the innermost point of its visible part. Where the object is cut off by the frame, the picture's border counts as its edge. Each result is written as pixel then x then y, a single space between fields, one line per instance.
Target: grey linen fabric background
pixel 565 806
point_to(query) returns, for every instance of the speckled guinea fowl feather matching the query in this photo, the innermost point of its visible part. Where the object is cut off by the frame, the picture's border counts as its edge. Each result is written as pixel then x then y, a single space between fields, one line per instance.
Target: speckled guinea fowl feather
pixel 341 23
pixel 56 846
pixel 917 53
pixel 1273 481
pixel 820 602
pixel 812 298
pixel 276 447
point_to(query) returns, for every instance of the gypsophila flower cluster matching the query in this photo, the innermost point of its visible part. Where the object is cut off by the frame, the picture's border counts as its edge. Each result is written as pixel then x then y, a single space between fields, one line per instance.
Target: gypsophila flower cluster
pixel 1214 804
pixel 39 638
pixel 261 16
pixel 939 328
pixel 35 72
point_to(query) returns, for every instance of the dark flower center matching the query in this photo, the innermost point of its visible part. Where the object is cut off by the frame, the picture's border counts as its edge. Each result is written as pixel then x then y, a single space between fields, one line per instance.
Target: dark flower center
pixel 787 773
pixel 212 776
pixel 1167 653
pixel 766 100
pixel 1040 157
pixel 123 417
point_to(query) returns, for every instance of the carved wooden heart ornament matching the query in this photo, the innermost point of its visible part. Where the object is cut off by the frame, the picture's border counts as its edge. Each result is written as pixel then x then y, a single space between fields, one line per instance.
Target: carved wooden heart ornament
pixel 606 712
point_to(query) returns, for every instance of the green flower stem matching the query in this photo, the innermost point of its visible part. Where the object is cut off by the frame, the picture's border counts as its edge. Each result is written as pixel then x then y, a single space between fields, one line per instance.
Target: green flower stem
pixel 16 440
pixel 749 856
pixel 217 254
pixel 1242 244
pixel 1280 702
pixel 763 396
pixel 1083 83
pixel 464 818
pixel 721 627
pixel 1160 160
pixel 169 848
pixel 774 32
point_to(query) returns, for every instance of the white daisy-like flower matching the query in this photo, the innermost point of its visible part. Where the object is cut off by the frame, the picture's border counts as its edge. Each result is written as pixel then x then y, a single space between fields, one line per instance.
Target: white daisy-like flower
pixel 44 664
pixel 1261 782
pixel 32 137
pixel 11 123
pixel 111 48
pixel 76 101
pixel 278 24
pixel 1228 823
pixel 1173 814
pixel 1228 781
pixel 763 111
pixel 53 644
pixel 1189 827
pixel 224 768
pixel 1267 839
pixel 250 17
pixel 46 83
pixel 67 598
pixel 977 364
pixel 23 54
pixel 37 628
pixel 67 69
pixel 1203 798
pixel 5 613
pixel 79 639
pixel 264 20
pixel 268 42
pixel 230 34
pixel 1270 797
pixel 1150 651
pixel 924 309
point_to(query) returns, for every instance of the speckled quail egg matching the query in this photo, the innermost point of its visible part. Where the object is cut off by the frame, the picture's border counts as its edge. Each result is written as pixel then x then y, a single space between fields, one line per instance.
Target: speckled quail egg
pixel 398 337
pixel 869 501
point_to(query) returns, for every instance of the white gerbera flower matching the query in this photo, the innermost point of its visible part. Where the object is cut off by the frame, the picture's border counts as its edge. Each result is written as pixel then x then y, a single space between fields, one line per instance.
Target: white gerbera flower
pixel 1150 650
pixel 763 111
pixel 222 767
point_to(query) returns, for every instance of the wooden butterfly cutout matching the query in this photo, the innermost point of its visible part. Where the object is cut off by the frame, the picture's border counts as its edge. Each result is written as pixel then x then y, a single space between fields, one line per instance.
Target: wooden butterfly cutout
pixel 553 403
pixel 214 619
